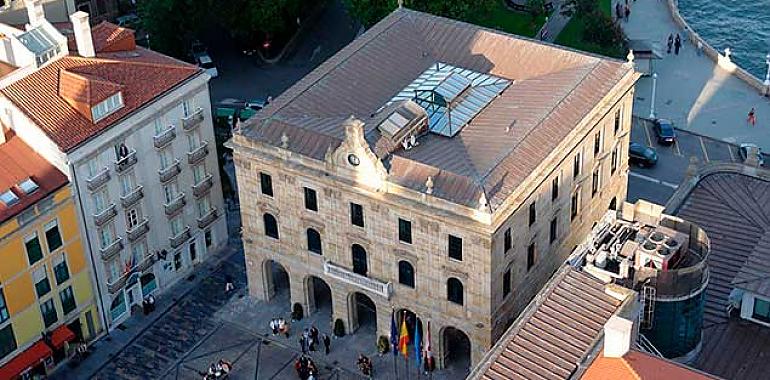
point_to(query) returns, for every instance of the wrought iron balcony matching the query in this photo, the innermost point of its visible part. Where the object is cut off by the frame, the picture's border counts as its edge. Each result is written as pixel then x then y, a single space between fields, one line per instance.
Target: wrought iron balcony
pixel 202 188
pixel 138 231
pixel 146 263
pixel 180 238
pixel 99 179
pixel 105 215
pixel 175 205
pixel 190 122
pixel 117 284
pixel 164 138
pixel 206 220
pixel 384 289
pixel 198 154
pixel 109 251
pixel 131 198
pixel 126 162
pixel 170 172
pixel 142 266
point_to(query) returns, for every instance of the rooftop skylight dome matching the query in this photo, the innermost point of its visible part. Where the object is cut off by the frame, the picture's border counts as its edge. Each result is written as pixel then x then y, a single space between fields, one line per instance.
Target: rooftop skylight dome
pixel 451 96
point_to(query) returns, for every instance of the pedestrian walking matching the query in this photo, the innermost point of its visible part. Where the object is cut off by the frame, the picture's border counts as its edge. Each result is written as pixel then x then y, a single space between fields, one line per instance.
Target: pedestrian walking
pixel 229 284
pixel 670 43
pixel 628 12
pixel 274 326
pixel 327 343
pixel 303 344
pixel 314 333
pixel 752 117
pixel 618 11
pixel 677 44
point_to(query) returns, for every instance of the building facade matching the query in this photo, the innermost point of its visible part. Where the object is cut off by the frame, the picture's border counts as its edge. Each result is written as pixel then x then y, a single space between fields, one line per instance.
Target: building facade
pixel 46 288
pixel 452 201
pixel 132 129
pixel 14 12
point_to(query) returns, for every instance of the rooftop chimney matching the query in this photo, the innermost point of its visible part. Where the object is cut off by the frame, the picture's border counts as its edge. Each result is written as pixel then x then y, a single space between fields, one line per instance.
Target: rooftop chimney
pixel 618 335
pixel 35 12
pixel 82 29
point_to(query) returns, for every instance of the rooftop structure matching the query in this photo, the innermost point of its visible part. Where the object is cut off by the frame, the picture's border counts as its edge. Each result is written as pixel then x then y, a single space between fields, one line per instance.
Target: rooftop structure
pixel 730 202
pixel 25 177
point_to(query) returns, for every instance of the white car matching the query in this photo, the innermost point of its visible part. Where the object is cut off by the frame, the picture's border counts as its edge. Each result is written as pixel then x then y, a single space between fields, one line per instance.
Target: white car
pixel 747 148
pixel 207 64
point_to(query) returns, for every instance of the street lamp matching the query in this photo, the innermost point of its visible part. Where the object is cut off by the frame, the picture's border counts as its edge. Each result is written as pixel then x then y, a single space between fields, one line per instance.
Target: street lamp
pixel 652 101
pixel 767 76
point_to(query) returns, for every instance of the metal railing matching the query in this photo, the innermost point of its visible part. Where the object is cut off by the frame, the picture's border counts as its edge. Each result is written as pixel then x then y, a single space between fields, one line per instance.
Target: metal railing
pixel 98 179
pixel 164 138
pixel 126 162
pixel 202 188
pixel 207 219
pixel 175 205
pixel 180 238
pixel 198 154
pixel 170 172
pixel 189 122
pixel 139 230
pixel 109 251
pixel 105 215
pixel 132 197
pixel 384 289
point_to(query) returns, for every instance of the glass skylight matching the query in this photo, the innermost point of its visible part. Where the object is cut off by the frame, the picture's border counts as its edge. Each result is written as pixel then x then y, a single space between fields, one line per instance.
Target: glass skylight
pixel 40 43
pixel 452 96
pixel 9 198
pixel 28 186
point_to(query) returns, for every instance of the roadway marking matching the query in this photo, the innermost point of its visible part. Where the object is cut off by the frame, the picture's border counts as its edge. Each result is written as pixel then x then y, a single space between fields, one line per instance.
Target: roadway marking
pixel 647 133
pixel 676 145
pixel 703 147
pixel 654 180
pixel 732 155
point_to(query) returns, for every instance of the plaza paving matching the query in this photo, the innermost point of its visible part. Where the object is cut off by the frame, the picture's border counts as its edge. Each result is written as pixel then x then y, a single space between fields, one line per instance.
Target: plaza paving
pixel 692 90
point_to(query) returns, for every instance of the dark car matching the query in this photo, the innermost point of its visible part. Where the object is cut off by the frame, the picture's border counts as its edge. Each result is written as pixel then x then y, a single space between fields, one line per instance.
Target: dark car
pixel 664 131
pixel 642 155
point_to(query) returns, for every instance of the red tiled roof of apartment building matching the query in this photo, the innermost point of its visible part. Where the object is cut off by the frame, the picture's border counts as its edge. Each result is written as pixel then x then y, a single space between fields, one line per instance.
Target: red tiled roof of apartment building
pixel 142 75
pixel 636 365
pixel 17 163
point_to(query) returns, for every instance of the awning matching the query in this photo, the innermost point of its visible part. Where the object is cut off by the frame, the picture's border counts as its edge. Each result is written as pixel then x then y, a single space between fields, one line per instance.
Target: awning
pixel 25 360
pixel 60 335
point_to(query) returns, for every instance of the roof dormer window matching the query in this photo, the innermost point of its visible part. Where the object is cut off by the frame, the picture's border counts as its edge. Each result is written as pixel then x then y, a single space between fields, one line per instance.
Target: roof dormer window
pixel 107 107
pixel 28 186
pixel 9 198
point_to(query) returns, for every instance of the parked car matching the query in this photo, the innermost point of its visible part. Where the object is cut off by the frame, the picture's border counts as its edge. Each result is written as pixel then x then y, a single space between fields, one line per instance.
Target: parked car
pixel 664 131
pixel 201 57
pixel 746 149
pixel 642 155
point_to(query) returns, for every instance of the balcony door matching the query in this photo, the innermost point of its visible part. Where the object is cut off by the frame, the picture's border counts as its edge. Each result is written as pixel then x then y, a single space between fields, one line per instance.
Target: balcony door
pixel 359 260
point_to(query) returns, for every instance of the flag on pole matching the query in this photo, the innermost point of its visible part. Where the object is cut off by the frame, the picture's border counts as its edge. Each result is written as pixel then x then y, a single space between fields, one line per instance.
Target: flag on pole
pixel 393 332
pixel 417 343
pixel 428 353
pixel 403 339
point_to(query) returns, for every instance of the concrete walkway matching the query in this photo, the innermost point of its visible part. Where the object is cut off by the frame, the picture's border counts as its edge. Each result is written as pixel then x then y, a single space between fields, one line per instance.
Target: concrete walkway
pixel 556 22
pixel 692 90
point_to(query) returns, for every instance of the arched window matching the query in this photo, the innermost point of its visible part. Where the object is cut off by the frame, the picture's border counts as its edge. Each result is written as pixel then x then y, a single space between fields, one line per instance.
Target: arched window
pixel 271 226
pixel 359 260
pixel 454 290
pixel 314 241
pixel 406 274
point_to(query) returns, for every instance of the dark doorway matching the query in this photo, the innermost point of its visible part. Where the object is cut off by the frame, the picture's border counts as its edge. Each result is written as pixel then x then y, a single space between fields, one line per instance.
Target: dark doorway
pixel 319 296
pixel 276 280
pixel 614 204
pixel 193 253
pixel 457 350
pixel 363 312
pixel 359 260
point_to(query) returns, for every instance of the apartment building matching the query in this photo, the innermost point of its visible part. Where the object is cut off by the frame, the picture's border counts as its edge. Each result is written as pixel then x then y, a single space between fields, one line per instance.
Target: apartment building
pixel 46 288
pixel 434 168
pixel 132 130
pixel 14 12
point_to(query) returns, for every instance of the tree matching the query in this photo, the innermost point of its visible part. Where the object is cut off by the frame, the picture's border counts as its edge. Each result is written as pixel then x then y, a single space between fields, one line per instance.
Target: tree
pixel 368 12
pixel 173 24
pixel 536 7
pixel 249 20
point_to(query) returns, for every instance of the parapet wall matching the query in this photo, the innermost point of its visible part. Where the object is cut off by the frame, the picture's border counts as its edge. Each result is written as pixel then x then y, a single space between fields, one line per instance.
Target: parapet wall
pixel 720 59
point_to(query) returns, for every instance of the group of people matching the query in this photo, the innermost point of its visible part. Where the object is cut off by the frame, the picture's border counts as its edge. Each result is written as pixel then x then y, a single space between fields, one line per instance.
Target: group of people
pixel 279 326
pixel 676 43
pixel 310 337
pixel 218 370
pixel 365 365
pixel 622 12
pixel 306 368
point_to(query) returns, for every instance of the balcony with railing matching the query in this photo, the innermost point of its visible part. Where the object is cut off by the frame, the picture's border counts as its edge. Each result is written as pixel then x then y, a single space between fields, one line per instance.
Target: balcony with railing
pixel 141 266
pixel 98 179
pixel 138 231
pixel 198 154
pixel 175 205
pixel 190 122
pixel 384 289
pixel 117 284
pixel 146 263
pixel 206 220
pixel 180 238
pixel 170 172
pixel 202 188
pixel 164 138
pixel 109 251
pixel 105 215
pixel 125 163
pixel 132 197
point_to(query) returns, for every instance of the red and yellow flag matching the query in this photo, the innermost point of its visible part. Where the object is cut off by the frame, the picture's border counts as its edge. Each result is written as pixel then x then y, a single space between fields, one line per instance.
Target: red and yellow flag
pixel 403 339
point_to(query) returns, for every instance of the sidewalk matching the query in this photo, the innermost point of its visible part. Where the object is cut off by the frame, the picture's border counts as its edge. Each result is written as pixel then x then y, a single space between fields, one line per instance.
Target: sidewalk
pixel 556 22
pixel 691 90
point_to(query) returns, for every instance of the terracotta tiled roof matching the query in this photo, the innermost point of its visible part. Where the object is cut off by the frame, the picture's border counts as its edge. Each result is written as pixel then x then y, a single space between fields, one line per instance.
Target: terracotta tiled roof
pixel 636 365
pixel 109 37
pixel 142 75
pixel 84 90
pixel 734 210
pixel 555 333
pixel 553 88
pixel 19 162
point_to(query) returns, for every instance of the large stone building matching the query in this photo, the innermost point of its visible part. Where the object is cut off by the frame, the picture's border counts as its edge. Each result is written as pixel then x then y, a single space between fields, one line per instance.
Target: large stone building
pixel 436 167
pixel 133 132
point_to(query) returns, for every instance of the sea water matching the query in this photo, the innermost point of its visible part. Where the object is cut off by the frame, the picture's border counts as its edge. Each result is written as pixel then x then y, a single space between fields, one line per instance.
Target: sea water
pixel 741 25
